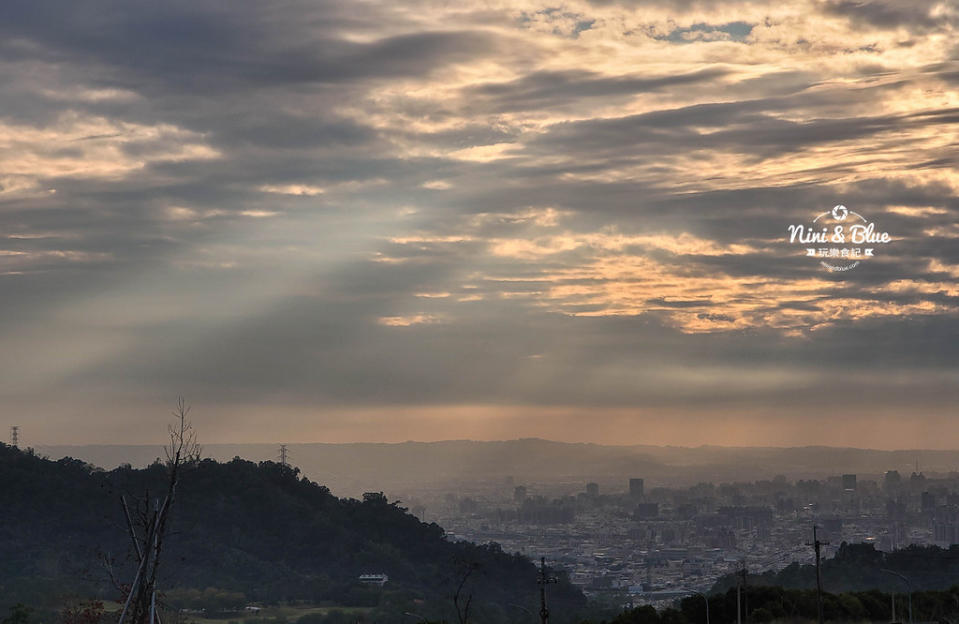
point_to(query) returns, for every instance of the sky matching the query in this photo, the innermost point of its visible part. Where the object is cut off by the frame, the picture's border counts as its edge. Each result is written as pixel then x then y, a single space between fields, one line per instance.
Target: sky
pixel 380 221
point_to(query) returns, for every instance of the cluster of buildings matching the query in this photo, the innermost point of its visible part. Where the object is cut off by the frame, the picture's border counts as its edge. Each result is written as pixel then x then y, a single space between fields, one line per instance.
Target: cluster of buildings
pixel 627 539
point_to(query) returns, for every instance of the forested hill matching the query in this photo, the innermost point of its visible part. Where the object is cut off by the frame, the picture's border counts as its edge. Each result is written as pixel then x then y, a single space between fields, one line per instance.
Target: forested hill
pixel 860 567
pixel 257 529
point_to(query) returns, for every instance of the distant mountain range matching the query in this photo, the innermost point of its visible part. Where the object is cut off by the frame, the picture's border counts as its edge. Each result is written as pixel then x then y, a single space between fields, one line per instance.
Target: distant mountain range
pixel 351 469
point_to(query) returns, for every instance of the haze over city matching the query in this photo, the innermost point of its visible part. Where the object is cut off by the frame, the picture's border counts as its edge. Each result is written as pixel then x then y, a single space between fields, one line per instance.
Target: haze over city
pixel 377 221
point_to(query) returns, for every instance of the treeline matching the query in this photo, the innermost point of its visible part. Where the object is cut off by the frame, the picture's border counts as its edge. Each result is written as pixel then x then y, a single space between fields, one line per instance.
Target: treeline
pixel 766 604
pixel 860 567
pixel 260 531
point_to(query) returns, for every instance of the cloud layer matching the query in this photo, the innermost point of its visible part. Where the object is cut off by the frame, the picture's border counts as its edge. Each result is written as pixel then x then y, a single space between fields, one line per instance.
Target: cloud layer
pixel 314 208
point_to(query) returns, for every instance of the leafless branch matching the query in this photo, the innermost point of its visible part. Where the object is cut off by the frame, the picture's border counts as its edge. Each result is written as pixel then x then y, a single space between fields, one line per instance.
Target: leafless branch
pixel 463 614
pixel 181 452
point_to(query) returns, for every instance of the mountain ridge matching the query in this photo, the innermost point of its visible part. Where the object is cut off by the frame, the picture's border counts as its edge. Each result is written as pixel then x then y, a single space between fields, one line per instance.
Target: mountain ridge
pixel 352 468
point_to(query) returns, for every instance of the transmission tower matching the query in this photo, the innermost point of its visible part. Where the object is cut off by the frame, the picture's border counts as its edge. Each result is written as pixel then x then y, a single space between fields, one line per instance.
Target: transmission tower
pixel 817 545
pixel 283 455
pixel 15 435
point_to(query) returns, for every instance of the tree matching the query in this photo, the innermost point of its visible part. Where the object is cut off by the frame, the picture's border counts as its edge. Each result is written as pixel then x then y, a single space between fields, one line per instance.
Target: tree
pixel 149 531
pixel 82 613
pixel 461 600
pixel 19 614
pixel 645 614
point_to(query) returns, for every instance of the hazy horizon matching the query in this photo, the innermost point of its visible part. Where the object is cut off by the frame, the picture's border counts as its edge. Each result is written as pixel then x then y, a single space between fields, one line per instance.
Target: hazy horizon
pixel 278 442
pixel 252 424
pixel 354 468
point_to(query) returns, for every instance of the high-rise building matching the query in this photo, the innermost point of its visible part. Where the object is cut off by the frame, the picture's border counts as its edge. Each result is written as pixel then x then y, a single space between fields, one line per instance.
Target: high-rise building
pixel 946 525
pixel 892 481
pixel 646 510
pixel 849 482
pixel 592 489
pixel 519 493
pixel 636 488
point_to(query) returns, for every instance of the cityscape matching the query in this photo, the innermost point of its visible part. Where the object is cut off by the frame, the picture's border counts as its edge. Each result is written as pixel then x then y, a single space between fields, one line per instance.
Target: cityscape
pixel 653 544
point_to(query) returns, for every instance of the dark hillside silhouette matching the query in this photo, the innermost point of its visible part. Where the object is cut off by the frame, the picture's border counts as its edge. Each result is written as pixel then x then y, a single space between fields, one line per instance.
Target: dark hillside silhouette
pixel 860 567
pixel 257 529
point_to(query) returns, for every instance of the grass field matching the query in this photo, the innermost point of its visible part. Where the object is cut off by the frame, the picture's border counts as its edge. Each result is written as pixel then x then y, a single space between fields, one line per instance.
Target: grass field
pixel 281 613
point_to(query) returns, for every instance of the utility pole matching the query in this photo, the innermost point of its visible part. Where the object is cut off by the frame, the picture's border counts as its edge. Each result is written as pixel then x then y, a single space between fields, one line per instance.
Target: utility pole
pixel 15 436
pixel 745 593
pixel 908 586
pixel 817 545
pixel 283 455
pixel 543 581
pixel 739 601
pixel 704 597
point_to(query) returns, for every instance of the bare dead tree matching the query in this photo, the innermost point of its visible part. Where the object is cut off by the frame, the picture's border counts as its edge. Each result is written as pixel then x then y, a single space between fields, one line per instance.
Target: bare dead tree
pixel 461 604
pixel 148 529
